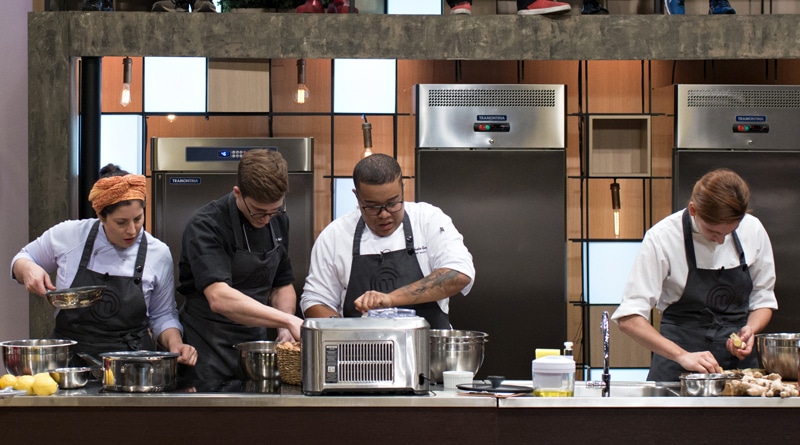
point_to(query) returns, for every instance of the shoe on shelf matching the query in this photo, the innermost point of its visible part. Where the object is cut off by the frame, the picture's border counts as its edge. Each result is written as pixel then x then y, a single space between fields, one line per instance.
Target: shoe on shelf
pixel 545 7
pixel 593 7
pixel 203 6
pixel 340 7
pixel 462 8
pixel 674 7
pixel 720 7
pixel 310 7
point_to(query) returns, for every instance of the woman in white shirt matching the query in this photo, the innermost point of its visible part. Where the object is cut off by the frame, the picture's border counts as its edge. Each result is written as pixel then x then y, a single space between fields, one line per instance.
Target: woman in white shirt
pixel 709 269
pixel 112 250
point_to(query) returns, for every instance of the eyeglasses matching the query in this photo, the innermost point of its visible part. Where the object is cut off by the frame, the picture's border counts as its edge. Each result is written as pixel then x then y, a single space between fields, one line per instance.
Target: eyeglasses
pixel 392 207
pixel 262 215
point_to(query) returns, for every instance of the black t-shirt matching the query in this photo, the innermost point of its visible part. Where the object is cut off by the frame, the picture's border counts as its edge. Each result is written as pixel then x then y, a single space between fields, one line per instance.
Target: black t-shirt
pixel 208 245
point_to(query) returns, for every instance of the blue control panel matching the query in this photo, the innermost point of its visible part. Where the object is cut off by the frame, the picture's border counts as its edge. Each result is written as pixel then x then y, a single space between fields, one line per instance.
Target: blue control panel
pixel 202 154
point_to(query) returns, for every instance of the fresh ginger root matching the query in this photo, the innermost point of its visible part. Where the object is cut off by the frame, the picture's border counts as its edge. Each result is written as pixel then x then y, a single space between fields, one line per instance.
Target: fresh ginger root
pixel 737 342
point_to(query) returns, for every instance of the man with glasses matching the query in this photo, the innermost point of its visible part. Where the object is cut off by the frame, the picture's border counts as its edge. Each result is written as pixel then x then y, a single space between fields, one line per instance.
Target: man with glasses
pixel 235 271
pixel 387 253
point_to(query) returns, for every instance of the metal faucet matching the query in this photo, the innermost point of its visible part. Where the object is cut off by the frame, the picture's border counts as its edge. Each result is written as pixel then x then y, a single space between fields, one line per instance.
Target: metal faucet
pixel 606 376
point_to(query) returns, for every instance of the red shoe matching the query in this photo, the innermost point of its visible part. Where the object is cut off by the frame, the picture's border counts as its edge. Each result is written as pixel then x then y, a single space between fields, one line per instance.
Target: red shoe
pixel 545 7
pixel 311 6
pixel 462 8
pixel 339 7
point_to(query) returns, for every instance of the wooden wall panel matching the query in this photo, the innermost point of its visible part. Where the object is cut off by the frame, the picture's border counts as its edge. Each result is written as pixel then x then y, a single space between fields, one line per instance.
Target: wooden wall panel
pixel 238 85
pixel 615 86
pixel 412 72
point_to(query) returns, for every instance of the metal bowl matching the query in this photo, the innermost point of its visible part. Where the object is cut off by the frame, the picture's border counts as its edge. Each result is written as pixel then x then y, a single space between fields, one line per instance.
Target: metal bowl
pixel 455 350
pixel 258 360
pixel 76 297
pixel 34 356
pixel 703 385
pixel 70 378
pixel 778 353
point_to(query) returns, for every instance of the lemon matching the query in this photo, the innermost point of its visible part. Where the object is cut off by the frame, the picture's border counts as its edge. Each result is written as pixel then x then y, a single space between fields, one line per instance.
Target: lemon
pixel 7 380
pixel 24 383
pixel 44 385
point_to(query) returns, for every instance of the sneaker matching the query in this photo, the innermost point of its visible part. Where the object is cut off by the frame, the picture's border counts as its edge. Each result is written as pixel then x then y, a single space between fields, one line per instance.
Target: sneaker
pixel 545 7
pixel 203 6
pixel 310 7
pixel 720 7
pixel 674 7
pixel 462 8
pixel 593 7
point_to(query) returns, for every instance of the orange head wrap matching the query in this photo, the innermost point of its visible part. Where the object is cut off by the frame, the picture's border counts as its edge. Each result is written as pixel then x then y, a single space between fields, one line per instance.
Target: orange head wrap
pixel 113 189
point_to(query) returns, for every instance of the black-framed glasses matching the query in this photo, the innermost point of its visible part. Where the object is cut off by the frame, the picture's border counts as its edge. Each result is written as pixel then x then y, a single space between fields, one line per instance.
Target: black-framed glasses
pixel 262 215
pixel 391 207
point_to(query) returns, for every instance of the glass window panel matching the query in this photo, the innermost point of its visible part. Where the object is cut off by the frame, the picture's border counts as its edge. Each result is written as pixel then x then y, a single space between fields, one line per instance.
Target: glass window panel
pixel 607 264
pixel 174 84
pixel 370 6
pixel 364 85
pixel 121 141
pixel 413 7
pixel 344 200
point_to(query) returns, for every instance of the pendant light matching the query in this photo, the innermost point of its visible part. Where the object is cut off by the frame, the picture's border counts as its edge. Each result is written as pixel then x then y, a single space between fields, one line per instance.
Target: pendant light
pixel 366 128
pixel 302 92
pixel 125 98
pixel 615 206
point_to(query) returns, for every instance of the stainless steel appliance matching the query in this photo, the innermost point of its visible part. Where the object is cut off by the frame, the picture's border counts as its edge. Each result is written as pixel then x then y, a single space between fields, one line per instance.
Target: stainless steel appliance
pixel 753 130
pixel 190 172
pixel 366 355
pixel 493 158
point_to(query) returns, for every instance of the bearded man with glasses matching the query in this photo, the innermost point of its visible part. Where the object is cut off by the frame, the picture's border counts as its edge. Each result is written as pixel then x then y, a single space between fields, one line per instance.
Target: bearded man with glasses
pixel 387 253
pixel 235 270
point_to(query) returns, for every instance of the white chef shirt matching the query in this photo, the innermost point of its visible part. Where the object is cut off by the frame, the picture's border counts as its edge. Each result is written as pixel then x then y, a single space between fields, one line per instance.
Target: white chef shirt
pixel 436 241
pixel 60 248
pixel 659 273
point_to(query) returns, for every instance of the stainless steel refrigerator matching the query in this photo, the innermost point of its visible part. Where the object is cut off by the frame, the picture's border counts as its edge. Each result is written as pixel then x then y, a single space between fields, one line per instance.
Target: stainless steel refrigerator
pixel 493 158
pixel 755 131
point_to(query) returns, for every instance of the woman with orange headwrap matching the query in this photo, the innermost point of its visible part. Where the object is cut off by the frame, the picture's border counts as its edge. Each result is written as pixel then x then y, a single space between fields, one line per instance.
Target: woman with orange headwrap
pixel 111 250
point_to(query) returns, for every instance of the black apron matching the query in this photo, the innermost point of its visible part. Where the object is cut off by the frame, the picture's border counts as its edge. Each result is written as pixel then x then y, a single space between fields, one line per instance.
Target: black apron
pixel 118 321
pixel 387 271
pixel 714 304
pixel 214 335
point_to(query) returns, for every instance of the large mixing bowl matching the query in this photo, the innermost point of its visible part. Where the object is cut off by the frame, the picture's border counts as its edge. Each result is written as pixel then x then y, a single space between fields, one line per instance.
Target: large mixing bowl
pixel 778 353
pixel 34 356
pixel 258 360
pixel 455 350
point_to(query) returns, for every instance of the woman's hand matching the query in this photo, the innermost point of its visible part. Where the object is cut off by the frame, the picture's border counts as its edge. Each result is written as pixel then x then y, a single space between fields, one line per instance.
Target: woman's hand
pixel 30 274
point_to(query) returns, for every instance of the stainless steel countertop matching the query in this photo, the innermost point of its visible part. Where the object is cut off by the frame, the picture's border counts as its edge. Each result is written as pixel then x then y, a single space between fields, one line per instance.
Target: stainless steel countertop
pixel 291 396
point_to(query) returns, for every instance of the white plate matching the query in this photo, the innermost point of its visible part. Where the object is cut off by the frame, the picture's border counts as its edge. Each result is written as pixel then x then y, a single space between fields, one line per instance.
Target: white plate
pixel 11 392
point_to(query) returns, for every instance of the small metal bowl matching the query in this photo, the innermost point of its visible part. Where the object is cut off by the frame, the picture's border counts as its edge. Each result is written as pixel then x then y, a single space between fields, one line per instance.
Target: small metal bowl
pixel 76 297
pixel 70 378
pixel 703 385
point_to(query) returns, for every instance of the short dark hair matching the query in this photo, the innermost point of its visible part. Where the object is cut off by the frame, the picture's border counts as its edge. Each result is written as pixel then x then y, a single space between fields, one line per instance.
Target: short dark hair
pixel 721 197
pixel 376 169
pixel 263 175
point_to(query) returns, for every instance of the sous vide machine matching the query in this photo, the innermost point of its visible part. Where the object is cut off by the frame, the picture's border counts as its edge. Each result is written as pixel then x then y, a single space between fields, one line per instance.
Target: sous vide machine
pixel 366 355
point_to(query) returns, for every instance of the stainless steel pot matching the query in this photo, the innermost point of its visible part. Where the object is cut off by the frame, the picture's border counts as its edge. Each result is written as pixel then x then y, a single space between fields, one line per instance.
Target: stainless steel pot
pixel 258 360
pixel 36 355
pixel 455 350
pixel 779 354
pixel 139 371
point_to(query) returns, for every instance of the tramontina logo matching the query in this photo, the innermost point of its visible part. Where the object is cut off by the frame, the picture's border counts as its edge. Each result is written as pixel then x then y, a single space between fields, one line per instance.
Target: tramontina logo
pixel 184 181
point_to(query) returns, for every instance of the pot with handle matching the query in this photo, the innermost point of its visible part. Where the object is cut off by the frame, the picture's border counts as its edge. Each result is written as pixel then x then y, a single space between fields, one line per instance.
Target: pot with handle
pixel 139 371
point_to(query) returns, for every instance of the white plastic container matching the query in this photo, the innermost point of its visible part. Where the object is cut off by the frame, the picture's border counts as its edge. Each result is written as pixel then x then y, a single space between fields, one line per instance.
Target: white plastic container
pixel 553 376
pixel 454 378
